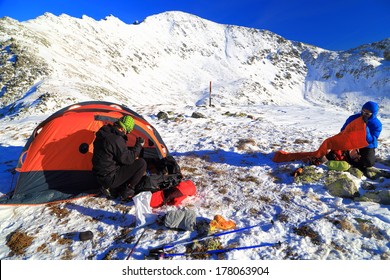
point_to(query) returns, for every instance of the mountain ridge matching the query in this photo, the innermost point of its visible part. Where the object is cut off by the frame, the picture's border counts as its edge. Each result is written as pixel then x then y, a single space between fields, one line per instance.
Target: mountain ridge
pixel 53 61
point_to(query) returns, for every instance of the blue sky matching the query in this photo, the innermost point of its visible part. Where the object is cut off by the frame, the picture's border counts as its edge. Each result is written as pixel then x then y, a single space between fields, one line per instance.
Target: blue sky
pixel 330 24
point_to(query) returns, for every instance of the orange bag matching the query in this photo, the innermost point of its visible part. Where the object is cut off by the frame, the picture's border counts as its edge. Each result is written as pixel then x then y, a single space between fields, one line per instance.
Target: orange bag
pixel 220 223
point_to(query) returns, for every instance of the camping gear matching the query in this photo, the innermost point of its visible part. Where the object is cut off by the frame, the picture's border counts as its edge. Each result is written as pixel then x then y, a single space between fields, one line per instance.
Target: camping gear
pixel 297 172
pixel 220 223
pixel 136 243
pixel 143 211
pixel 56 162
pixel 183 219
pixel 78 236
pixel 216 251
pixel 161 252
pixel 85 235
pixel 335 155
pixel 173 195
pixel 170 177
pixel 338 165
pixel 352 137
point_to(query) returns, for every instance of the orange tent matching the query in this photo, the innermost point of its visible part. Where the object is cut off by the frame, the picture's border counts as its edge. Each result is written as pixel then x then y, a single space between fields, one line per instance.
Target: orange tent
pixel 352 137
pixel 56 162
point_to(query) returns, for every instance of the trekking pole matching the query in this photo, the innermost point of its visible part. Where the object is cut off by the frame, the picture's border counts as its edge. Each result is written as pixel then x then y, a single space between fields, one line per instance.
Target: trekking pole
pixel 135 245
pixel 211 236
pixel 160 251
pixel 225 250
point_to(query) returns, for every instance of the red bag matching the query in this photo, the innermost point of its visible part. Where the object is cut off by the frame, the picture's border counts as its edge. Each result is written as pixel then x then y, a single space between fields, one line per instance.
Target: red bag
pixel 157 199
pixel 184 189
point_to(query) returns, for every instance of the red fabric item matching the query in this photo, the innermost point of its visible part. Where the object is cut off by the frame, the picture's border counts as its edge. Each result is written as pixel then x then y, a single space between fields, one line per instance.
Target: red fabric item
pixel 187 188
pixel 352 137
pixel 339 155
pixel 157 199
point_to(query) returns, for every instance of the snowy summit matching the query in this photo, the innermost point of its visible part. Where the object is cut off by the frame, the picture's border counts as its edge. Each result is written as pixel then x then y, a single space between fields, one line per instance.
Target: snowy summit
pixel 267 94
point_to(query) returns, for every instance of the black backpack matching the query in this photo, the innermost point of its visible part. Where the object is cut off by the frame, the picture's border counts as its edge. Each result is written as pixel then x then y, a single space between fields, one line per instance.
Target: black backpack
pixel 168 176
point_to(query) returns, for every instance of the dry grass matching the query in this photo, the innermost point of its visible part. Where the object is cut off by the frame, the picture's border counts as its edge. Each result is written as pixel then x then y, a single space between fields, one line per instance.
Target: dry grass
pixel 198 250
pixel 55 209
pixel 242 144
pixel 265 199
pixel 43 249
pixel 290 254
pixel 67 255
pixel 370 231
pixel 302 141
pixel 249 178
pixel 344 225
pixel 306 231
pixel 18 242
pixel 284 218
pixel 187 170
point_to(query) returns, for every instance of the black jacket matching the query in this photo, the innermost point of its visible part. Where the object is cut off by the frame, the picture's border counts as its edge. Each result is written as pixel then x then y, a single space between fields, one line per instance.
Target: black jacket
pixel 110 152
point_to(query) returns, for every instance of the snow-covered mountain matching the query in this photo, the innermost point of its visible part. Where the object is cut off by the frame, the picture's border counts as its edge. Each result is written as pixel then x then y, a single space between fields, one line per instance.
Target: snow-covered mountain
pixel 270 94
pixel 169 58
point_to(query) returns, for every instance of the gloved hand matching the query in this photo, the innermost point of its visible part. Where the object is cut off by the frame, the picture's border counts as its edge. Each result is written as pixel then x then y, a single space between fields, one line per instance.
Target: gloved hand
pixel 140 141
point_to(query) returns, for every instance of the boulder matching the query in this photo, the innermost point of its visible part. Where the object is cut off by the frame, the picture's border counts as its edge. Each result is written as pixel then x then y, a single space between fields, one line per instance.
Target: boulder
pixel 381 197
pixel 343 187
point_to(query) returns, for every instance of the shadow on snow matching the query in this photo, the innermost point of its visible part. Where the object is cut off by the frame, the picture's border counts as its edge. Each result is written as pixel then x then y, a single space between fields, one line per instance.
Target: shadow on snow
pixel 230 158
pixel 8 160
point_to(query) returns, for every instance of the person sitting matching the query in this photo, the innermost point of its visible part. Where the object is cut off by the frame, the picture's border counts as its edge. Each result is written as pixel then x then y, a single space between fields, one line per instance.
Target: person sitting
pixel 364 157
pixel 117 168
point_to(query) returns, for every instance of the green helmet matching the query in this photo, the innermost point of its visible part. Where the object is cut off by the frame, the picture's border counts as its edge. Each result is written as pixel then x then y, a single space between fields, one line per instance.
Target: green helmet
pixel 127 123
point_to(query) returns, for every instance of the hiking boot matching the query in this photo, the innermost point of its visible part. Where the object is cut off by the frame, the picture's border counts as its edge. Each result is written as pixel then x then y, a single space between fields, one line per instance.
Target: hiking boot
pixel 106 191
pixel 127 195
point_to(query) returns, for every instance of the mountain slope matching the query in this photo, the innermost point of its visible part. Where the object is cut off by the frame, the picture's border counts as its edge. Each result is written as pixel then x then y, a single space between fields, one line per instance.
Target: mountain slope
pixel 51 61
pixel 267 86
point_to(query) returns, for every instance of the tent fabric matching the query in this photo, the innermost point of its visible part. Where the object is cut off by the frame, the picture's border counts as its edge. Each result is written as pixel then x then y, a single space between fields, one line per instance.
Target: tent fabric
pixel 352 137
pixel 56 162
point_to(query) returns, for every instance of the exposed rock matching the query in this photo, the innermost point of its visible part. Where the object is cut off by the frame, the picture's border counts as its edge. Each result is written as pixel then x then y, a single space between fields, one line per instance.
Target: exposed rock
pixel 197 115
pixel 375 173
pixel 368 186
pixel 356 172
pixel 162 116
pixel 382 197
pixel 309 175
pixel 343 187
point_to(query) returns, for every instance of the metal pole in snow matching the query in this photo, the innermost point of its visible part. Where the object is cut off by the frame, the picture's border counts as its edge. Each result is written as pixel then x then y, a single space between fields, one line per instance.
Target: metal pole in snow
pixel 210 95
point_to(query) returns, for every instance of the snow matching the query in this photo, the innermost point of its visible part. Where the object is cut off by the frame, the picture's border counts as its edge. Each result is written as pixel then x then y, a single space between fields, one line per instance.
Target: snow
pixel 207 151
pixel 240 183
